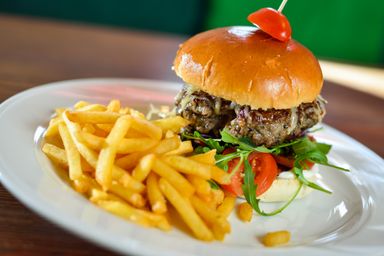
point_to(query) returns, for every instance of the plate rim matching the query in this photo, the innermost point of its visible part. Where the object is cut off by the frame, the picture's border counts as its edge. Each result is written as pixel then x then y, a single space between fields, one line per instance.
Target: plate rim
pixel 68 225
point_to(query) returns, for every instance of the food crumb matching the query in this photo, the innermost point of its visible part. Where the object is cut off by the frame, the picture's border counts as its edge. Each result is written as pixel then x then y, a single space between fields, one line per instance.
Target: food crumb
pixel 276 238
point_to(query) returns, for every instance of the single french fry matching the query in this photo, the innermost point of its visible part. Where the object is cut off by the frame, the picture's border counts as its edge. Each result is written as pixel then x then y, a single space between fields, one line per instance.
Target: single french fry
pixel 92 107
pixel 58 155
pixel 124 210
pixel 53 127
pixel 124 178
pixel 220 176
pixel 205 158
pixel 107 155
pixel 135 134
pixel 119 130
pixel 137 114
pixel 184 148
pixel 131 145
pixel 142 170
pixel 129 162
pixel 59 111
pixel 158 220
pixel 174 177
pixel 186 211
pixel 173 124
pixel 217 196
pixel 92 141
pixel 85 184
pixel 124 111
pixel 128 195
pixel 155 197
pixel 227 206
pixel 104 167
pixel 81 104
pixel 146 127
pixel 99 132
pixel 276 238
pixel 188 166
pixel 202 186
pixel 89 128
pixel 96 117
pixel 105 127
pixel 98 194
pixel 73 155
pixel 114 106
pixel 167 145
pixel 169 134
pixel 85 166
pixel 210 216
pixel 245 212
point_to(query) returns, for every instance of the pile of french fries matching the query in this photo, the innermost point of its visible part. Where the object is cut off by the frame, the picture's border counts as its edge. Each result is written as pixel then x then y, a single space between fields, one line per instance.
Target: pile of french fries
pixel 138 169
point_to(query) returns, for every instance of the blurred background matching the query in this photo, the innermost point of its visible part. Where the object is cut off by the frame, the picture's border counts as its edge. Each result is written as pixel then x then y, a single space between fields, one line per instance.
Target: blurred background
pixel 343 30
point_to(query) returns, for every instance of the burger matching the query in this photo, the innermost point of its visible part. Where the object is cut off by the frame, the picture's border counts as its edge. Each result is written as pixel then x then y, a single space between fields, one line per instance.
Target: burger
pixel 257 90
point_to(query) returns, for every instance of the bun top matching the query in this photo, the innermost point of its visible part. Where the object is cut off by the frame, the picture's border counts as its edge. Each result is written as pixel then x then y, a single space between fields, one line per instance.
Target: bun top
pixel 247 66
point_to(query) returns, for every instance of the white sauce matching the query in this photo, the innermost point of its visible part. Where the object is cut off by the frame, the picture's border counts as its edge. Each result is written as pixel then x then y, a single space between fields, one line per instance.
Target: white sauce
pixel 288 175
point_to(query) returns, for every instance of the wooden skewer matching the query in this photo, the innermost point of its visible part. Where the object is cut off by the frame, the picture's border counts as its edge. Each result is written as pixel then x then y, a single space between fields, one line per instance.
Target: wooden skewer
pixel 282 5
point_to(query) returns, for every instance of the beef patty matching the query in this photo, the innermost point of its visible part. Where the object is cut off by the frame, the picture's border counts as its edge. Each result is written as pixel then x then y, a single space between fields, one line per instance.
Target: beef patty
pixel 209 114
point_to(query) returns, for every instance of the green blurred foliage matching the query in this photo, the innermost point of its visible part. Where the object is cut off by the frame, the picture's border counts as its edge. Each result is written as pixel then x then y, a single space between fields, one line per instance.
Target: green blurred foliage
pixel 181 17
pixel 351 30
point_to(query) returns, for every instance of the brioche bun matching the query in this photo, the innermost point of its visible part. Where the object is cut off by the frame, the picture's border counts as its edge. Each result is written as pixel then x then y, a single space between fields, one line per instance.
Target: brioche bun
pixel 247 66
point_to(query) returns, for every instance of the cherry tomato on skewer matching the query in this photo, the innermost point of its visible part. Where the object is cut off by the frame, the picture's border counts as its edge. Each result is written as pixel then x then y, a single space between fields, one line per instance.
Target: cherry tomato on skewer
pixel 272 22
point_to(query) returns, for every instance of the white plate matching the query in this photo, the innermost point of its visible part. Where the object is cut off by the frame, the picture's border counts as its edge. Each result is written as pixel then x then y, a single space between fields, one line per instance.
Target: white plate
pixel 349 222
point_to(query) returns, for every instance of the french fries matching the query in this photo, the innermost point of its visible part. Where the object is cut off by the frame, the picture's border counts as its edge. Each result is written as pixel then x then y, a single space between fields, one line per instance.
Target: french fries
pixel 138 169
pixel 186 211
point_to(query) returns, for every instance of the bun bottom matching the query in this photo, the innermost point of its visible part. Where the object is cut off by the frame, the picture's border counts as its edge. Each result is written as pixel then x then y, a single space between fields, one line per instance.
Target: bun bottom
pixel 282 190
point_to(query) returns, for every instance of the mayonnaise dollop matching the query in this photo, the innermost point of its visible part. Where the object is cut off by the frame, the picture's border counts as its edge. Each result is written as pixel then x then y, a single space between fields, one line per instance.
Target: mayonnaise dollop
pixel 308 174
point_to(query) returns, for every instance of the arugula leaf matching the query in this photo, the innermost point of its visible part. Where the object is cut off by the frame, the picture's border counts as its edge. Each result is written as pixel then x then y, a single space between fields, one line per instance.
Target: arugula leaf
pixel 249 189
pixel 201 150
pixel 244 143
pixel 303 149
pixel 222 160
pixel 213 184
pixel 324 148
pixel 300 176
pixel 209 142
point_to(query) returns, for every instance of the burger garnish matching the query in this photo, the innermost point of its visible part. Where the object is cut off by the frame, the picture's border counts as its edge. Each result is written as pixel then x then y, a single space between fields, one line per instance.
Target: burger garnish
pixel 253 99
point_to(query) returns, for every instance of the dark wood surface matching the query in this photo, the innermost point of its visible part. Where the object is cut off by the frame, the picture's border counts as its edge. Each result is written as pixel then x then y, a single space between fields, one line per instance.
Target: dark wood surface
pixel 33 52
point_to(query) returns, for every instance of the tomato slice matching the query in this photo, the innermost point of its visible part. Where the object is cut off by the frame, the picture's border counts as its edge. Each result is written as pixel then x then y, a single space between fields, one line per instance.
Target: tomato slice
pixel 265 168
pixel 263 165
pixel 237 180
pixel 272 22
pixel 289 162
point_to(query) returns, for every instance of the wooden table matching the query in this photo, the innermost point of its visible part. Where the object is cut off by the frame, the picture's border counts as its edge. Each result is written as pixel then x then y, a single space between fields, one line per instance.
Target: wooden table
pixel 33 52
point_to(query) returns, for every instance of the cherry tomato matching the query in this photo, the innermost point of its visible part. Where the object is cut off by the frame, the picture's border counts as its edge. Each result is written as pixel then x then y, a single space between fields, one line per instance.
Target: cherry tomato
pixel 237 180
pixel 289 162
pixel 263 165
pixel 272 22
pixel 265 168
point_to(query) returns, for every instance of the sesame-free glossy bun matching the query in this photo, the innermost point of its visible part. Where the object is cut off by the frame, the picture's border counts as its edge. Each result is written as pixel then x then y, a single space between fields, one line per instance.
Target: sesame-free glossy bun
pixel 247 66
